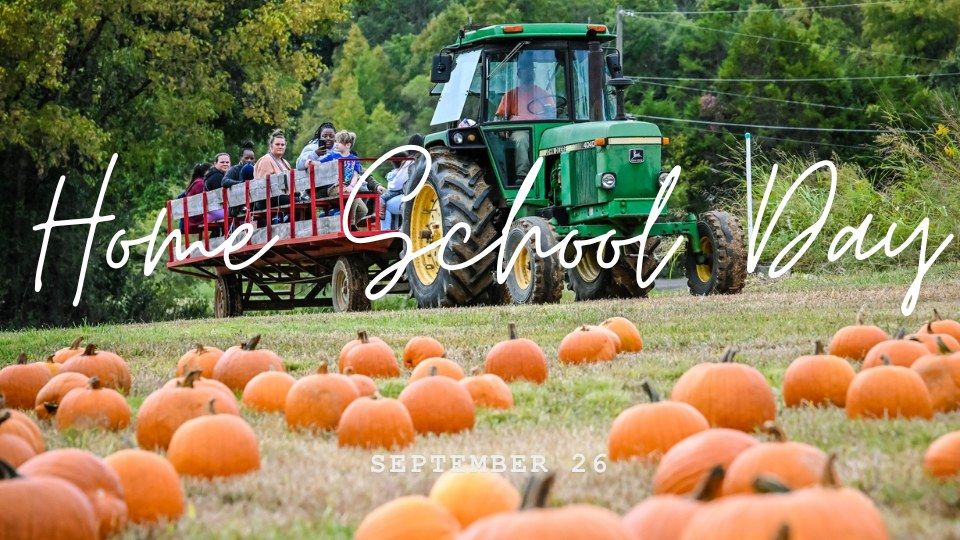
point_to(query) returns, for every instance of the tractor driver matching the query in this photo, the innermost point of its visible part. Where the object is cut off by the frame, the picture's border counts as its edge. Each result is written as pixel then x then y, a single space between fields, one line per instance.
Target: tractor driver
pixel 526 101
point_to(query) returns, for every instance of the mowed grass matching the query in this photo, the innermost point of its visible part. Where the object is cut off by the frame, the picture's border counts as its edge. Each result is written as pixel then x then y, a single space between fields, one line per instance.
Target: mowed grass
pixel 308 487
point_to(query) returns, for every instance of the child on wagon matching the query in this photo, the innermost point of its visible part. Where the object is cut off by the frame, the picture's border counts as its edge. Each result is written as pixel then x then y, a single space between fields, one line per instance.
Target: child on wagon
pixel 343 148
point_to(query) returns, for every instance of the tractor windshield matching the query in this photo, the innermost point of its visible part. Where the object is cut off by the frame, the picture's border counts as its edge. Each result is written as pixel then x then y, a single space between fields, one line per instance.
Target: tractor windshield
pixel 526 85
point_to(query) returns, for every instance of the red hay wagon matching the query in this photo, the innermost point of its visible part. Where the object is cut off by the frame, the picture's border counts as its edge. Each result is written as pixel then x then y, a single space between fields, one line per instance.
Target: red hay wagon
pixel 312 264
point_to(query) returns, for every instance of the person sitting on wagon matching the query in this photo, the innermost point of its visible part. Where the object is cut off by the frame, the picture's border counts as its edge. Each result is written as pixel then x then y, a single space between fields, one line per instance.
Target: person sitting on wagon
pixel 195 187
pixel 343 148
pixel 247 156
pixel 396 180
pixel 214 177
pixel 273 162
pixel 321 143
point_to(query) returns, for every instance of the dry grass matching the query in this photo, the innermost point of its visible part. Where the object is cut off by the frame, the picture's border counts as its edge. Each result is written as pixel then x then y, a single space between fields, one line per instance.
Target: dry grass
pixel 310 488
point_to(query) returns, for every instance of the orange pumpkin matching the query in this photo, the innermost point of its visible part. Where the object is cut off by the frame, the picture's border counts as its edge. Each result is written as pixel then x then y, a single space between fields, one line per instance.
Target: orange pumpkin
pixel 365 385
pixel 371 358
pixel 438 405
pixel 240 363
pixel 488 390
pixel 214 445
pixel 817 379
pixel 574 522
pixel 151 487
pixel 91 476
pixel 939 325
pixel 445 368
pixel 900 351
pixel 112 370
pixel 22 426
pixel 21 382
pixel 49 397
pixel 267 392
pixel 353 343
pixel 52 367
pixel 689 461
pixel 420 348
pixel 316 402
pixel 888 391
pixel 728 394
pixel 938 378
pixel 375 422
pixel 614 337
pixel 855 341
pixel 794 464
pixel 942 458
pixel 203 358
pixel 167 409
pixel 13 448
pixel 226 401
pixel 413 517
pixel 936 343
pixel 67 353
pixel 93 407
pixel 517 359
pixel 587 345
pixel 663 517
pixel 473 495
pixel 648 430
pixel 630 339
pixel 44 507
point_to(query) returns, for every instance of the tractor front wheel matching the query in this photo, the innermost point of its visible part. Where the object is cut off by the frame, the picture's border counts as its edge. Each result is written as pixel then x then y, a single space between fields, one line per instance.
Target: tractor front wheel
pixel 589 281
pixel 723 266
pixel 533 279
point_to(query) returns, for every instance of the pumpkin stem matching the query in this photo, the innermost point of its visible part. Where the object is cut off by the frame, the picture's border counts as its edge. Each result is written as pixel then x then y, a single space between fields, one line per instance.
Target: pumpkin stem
pixel 7 472
pixel 943 346
pixel 818 347
pixel 90 350
pixel 362 336
pixel 783 533
pixel 771 428
pixel 830 477
pixel 252 344
pixel 512 330
pixel 210 408
pixel 885 359
pixel 376 395
pixel 936 315
pixel 50 358
pixel 651 392
pixel 476 371
pixel 95 382
pixel 433 371
pixel 323 368
pixel 769 484
pixel 537 489
pixel 583 328
pixel 930 327
pixel 5 416
pixel 76 343
pixel 51 407
pixel 191 378
pixel 728 354
pixel 200 349
pixel 348 370
pixel 900 333
pixel 861 315
pixel 709 488
pixel 22 358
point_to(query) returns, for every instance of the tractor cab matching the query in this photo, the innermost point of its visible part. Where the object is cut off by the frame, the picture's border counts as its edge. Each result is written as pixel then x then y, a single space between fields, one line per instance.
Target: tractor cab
pixel 508 96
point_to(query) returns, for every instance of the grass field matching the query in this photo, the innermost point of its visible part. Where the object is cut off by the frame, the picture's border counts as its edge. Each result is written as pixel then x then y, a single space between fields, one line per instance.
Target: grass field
pixel 309 487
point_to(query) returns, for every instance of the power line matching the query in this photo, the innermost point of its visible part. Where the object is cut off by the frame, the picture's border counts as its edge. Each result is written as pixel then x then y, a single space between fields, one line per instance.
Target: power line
pixel 632 13
pixel 759 98
pixel 803 141
pixel 784 128
pixel 781 40
pixel 808 79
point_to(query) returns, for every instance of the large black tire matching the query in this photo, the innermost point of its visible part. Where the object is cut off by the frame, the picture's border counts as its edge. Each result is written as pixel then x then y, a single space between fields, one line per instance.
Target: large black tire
pixel 348 283
pixel 620 281
pixel 464 194
pixel 542 281
pixel 227 296
pixel 721 238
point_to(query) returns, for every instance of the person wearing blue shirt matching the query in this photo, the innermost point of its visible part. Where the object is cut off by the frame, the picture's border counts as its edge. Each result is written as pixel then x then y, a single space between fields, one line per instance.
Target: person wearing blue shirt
pixel 343 149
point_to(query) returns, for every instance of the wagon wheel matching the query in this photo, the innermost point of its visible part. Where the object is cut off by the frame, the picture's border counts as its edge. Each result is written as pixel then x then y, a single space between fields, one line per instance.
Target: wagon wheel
pixel 348 285
pixel 227 297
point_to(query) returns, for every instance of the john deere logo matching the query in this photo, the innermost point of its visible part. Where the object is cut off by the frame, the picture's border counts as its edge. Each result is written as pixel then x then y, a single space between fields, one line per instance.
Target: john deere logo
pixel 636 155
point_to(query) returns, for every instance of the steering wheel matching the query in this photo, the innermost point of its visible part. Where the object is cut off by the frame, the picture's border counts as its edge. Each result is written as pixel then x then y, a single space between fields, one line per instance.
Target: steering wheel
pixel 560 103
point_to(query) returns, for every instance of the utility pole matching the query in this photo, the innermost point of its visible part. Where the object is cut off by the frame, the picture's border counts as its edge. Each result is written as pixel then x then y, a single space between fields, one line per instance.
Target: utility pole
pixel 620 32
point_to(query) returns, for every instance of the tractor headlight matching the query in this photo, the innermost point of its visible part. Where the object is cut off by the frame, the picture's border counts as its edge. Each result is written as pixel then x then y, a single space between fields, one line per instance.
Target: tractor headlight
pixel 608 181
pixel 458 138
pixel 662 179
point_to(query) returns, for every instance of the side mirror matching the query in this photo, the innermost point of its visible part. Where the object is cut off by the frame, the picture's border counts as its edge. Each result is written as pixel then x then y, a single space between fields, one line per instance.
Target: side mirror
pixel 613 65
pixel 442 68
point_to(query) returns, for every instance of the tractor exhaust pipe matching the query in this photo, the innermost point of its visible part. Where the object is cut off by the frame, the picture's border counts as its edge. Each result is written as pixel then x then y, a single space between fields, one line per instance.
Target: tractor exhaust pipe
pixel 595 65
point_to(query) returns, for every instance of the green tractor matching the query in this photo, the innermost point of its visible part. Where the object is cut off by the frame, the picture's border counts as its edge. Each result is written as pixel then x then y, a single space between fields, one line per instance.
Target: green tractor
pixel 510 94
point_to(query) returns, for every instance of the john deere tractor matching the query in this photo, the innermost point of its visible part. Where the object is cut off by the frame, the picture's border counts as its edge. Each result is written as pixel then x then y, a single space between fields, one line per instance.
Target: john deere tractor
pixel 510 94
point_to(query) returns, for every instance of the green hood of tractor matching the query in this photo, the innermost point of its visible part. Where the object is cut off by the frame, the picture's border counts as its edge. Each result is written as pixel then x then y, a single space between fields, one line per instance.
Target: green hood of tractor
pixel 588 131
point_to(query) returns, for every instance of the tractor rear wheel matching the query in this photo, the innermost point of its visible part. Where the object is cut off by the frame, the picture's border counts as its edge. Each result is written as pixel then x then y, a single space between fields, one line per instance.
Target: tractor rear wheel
pixel 724 266
pixel 456 191
pixel 589 281
pixel 348 284
pixel 533 279
pixel 227 296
